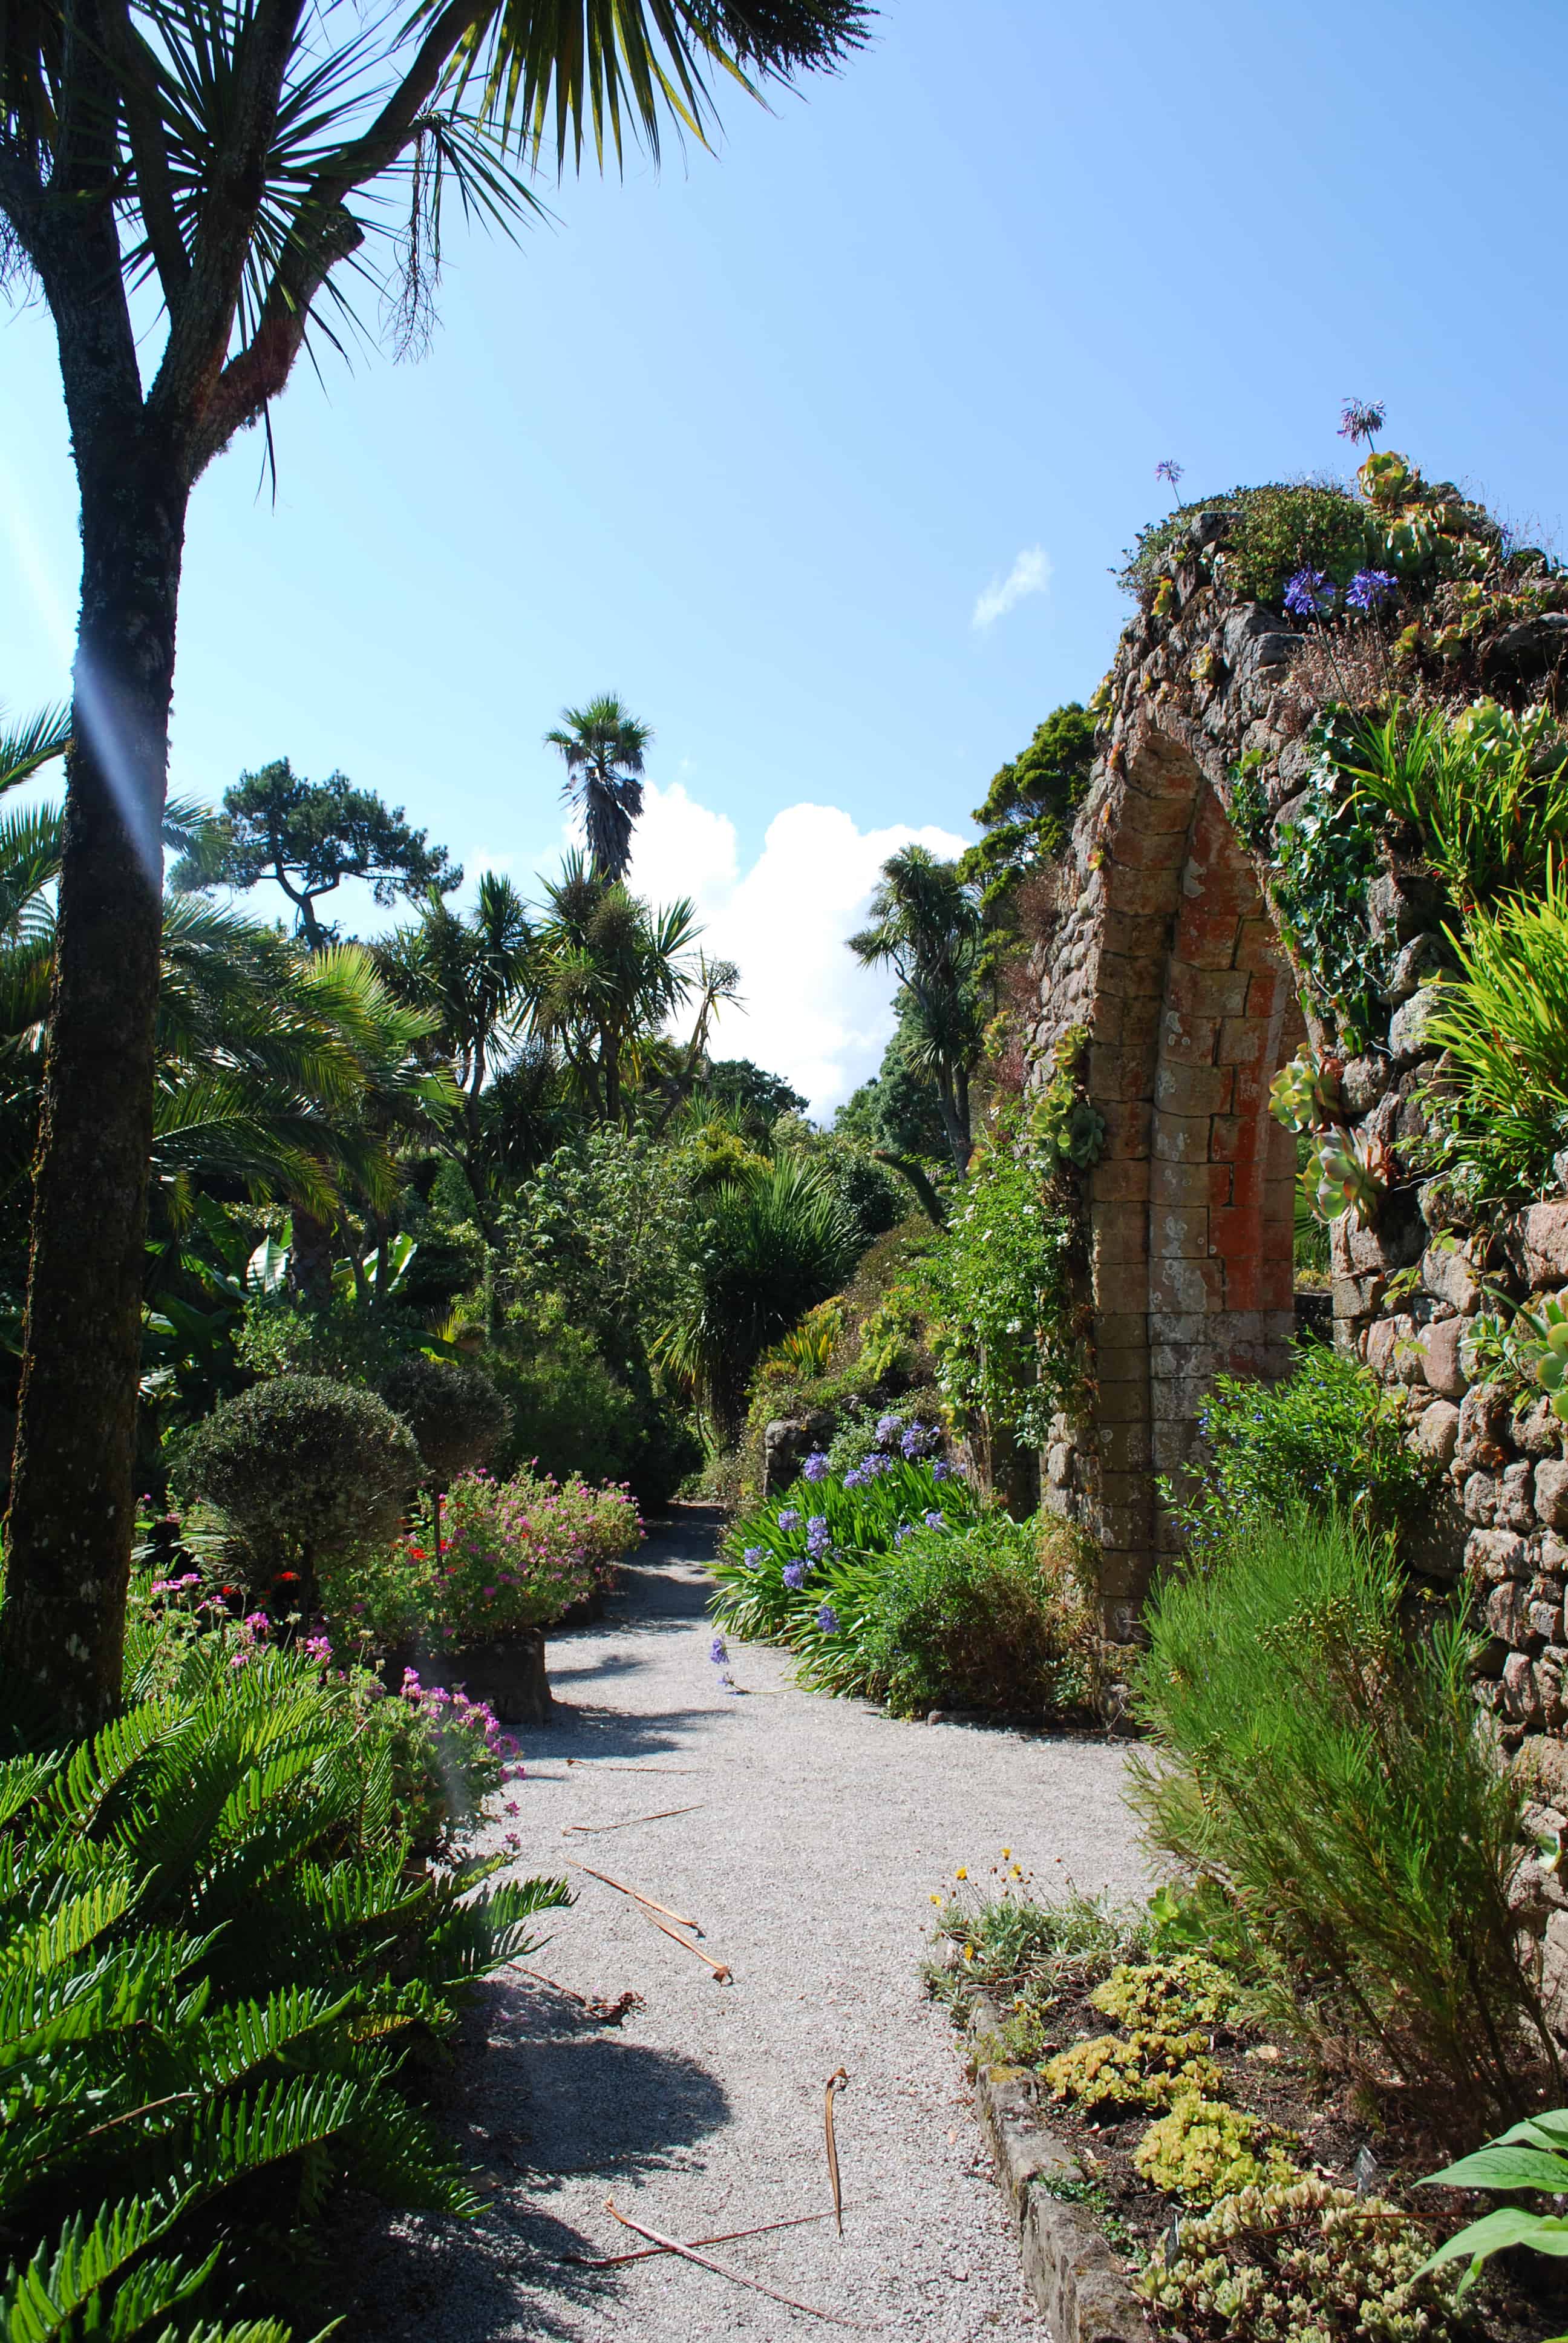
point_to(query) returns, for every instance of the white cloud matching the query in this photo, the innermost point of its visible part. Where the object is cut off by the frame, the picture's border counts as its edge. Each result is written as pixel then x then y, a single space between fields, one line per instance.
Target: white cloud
pixel 809 1010
pixel 1030 574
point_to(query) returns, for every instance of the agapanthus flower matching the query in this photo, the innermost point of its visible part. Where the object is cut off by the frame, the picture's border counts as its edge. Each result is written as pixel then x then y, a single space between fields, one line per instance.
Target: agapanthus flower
pixel 942 1469
pixel 816 1466
pixel 1308 594
pixel 816 1534
pixel 855 1478
pixel 936 1521
pixel 1170 471
pixel 905 1530
pixel 752 1558
pixel 889 1428
pixel 1360 418
pixel 828 1620
pixel 718 1653
pixel 876 1463
pixel 917 1440
pixel 795 1574
pixel 1369 590
pixel 788 1519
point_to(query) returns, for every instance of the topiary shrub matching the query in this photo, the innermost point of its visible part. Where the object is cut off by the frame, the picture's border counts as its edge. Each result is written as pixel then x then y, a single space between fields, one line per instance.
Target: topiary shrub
pixel 454 1410
pixel 306 1468
pixel 1305 2263
pixel 1204 2149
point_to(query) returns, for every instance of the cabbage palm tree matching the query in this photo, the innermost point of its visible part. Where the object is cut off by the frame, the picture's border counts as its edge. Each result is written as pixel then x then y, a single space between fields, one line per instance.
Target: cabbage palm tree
pixel 470 971
pixel 237 167
pixel 604 748
pixel 609 972
pixel 925 925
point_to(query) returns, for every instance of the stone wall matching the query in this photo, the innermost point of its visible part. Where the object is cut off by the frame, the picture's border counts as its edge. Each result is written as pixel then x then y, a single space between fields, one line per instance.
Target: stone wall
pixel 1162 947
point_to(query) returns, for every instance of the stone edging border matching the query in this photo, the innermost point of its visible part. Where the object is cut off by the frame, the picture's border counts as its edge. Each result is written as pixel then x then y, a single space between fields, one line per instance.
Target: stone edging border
pixel 1068 2266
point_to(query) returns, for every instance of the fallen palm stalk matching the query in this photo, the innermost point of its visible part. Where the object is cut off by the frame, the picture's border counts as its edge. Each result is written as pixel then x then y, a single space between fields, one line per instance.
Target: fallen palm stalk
pixel 606 2013
pixel 635 1893
pixel 607 1766
pixel 737 2278
pixel 593 1830
pixel 728 2237
pixel 835 2078
pixel 721 1973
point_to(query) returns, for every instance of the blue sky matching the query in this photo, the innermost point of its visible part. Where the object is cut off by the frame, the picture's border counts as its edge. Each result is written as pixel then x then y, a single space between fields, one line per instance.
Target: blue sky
pixel 748 440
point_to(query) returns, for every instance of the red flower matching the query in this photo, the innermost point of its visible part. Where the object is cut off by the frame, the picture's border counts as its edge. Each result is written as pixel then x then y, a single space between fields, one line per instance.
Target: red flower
pixel 287 1574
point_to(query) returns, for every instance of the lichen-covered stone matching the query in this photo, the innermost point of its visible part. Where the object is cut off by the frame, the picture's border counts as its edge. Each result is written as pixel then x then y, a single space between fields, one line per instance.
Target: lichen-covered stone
pixel 1552 1493
pixel 1439 1346
pixel 1437 1433
pixel 1492 1555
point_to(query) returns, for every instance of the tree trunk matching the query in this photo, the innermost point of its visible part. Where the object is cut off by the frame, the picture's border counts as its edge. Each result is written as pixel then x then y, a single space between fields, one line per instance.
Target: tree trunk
pixel 72 1517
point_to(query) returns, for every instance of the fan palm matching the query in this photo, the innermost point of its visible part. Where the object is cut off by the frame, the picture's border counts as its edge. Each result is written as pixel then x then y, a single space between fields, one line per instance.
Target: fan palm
pixel 603 747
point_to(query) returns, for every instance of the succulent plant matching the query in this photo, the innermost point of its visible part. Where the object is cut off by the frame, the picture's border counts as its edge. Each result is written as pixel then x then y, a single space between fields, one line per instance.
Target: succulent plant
pixel 1304 1095
pixel 1204 2149
pixel 1352 1176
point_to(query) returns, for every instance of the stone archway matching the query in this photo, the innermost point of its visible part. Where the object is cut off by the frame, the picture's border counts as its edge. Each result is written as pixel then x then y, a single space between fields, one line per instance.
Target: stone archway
pixel 1168 959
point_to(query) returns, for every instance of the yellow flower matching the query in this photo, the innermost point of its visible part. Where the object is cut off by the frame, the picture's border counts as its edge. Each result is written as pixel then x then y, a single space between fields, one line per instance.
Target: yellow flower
pixel 1017 1871
pixel 969 1952
pixel 1007 1855
pixel 962 1872
pixel 936 1899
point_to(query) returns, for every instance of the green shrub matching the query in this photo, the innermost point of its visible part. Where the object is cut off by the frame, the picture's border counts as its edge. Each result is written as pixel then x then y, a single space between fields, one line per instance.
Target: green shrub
pixel 307 1470
pixel 1333 1775
pixel 571 1414
pixel 219 1966
pixel 1275 530
pixel 1329 1435
pixel 457 1417
pixel 337 1342
pixel 991 1616
pixel 1203 2149
pixel 1302 2263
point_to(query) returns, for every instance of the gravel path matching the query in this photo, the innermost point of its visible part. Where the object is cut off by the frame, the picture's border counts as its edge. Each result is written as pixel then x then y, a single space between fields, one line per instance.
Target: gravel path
pixel 821 1830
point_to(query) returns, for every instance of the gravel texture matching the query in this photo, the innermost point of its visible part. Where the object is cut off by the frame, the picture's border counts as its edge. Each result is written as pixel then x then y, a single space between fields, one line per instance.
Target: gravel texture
pixel 821 1830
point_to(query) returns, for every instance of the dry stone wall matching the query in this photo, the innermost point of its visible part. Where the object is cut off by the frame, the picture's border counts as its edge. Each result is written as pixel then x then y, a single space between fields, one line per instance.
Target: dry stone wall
pixel 1164 949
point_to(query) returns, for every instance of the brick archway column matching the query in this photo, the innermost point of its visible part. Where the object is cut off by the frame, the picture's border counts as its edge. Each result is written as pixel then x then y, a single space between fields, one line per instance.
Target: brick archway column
pixel 1190 1010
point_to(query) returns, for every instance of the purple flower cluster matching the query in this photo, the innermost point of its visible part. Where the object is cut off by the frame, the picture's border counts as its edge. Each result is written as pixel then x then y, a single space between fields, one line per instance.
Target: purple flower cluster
pixel 1308 594
pixel 752 1558
pixel 919 1442
pixel 889 1429
pixel 942 1469
pixel 718 1652
pixel 816 1536
pixel 795 1574
pixel 828 1620
pixel 788 1519
pixel 1369 590
pixel 815 1468
pixel 936 1521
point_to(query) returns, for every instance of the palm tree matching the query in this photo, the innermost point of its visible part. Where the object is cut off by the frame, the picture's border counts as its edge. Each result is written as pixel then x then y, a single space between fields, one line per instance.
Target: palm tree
pixel 609 972
pixel 603 747
pixel 775 1243
pixel 472 972
pixel 228 169
pixel 925 925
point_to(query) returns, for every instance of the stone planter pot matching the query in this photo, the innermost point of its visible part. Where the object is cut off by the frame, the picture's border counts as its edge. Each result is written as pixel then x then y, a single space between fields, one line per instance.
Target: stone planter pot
pixel 507 1673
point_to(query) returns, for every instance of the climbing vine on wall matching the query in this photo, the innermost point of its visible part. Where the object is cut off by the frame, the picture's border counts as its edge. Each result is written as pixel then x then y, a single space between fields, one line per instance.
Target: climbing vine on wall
pixel 1325 857
pixel 999 1285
